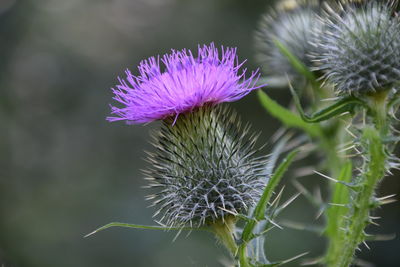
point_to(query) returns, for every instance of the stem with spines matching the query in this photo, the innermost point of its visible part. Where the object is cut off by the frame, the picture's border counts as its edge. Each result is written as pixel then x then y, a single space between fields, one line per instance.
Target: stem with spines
pixel 373 171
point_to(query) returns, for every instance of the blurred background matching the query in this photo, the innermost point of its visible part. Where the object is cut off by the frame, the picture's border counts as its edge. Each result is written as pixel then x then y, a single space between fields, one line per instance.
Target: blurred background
pixel 64 170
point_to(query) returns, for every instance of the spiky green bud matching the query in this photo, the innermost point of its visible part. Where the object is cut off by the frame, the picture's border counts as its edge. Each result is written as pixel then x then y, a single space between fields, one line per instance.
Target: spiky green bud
pixel 359 48
pixel 291 27
pixel 204 168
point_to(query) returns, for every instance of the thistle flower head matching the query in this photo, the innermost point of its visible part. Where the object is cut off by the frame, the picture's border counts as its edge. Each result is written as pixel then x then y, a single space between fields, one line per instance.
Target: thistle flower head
pixel 187 82
pixel 293 28
pixel 359 48
pixel 204 168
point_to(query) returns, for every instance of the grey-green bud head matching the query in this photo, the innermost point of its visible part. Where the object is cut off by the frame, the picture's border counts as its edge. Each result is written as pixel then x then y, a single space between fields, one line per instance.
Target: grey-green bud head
pixel 359 48
pixel 204 168
pixel 292 28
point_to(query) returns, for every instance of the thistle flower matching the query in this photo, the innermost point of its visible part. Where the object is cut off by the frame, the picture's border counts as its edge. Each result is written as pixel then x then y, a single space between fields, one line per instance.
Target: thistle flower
pixel 204 164
pixel 186 83
pixel 293 28
pixel 204 168
pixel 359 49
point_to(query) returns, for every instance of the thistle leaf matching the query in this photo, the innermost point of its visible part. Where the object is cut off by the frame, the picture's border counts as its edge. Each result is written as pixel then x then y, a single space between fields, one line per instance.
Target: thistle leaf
pixel 279 263
pixel 287 117
pixel 346 104
pixel 259 211
pixel 138 226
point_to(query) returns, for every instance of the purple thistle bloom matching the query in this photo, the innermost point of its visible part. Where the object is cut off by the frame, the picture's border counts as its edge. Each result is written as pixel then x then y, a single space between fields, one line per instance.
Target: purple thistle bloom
pixel 187 83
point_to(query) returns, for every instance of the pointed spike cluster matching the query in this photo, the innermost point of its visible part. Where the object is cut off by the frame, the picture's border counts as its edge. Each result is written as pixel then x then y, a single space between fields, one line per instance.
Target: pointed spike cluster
pixel 205 168
pixel 292 28
pixel 358 48
pixel 313 199
pixel 385 200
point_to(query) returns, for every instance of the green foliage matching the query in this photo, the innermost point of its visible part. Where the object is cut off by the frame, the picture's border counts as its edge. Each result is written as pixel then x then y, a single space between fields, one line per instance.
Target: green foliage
pixel 347 213
pixel 264 211
pixel 337 211
pixel 145 227
pixel 351 201
pixel 374 171
pixel 339 107
pixel 287 117
pixel 259 213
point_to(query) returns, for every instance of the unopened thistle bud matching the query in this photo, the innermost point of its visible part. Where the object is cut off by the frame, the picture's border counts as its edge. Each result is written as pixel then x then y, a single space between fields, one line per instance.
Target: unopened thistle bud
pixel 293 28
pixel 359 48
pixel 204 166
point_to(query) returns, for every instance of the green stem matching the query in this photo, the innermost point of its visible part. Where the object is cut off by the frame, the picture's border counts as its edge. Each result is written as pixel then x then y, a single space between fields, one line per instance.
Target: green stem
pixel 330 143
pixel 242 253
pixel 373 172
pixel 340 169
pixel 379 109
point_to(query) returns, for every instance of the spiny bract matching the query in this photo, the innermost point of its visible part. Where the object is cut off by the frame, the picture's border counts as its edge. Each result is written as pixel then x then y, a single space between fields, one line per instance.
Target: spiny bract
pixel 204 168
pixel 359 48
pixel 293 28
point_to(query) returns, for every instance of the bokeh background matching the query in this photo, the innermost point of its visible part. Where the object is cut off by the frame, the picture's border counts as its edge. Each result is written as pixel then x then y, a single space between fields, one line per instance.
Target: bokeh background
pixel 65 171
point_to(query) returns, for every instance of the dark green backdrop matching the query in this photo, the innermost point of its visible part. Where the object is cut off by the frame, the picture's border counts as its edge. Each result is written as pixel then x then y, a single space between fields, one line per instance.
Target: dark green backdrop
pixel 64 170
